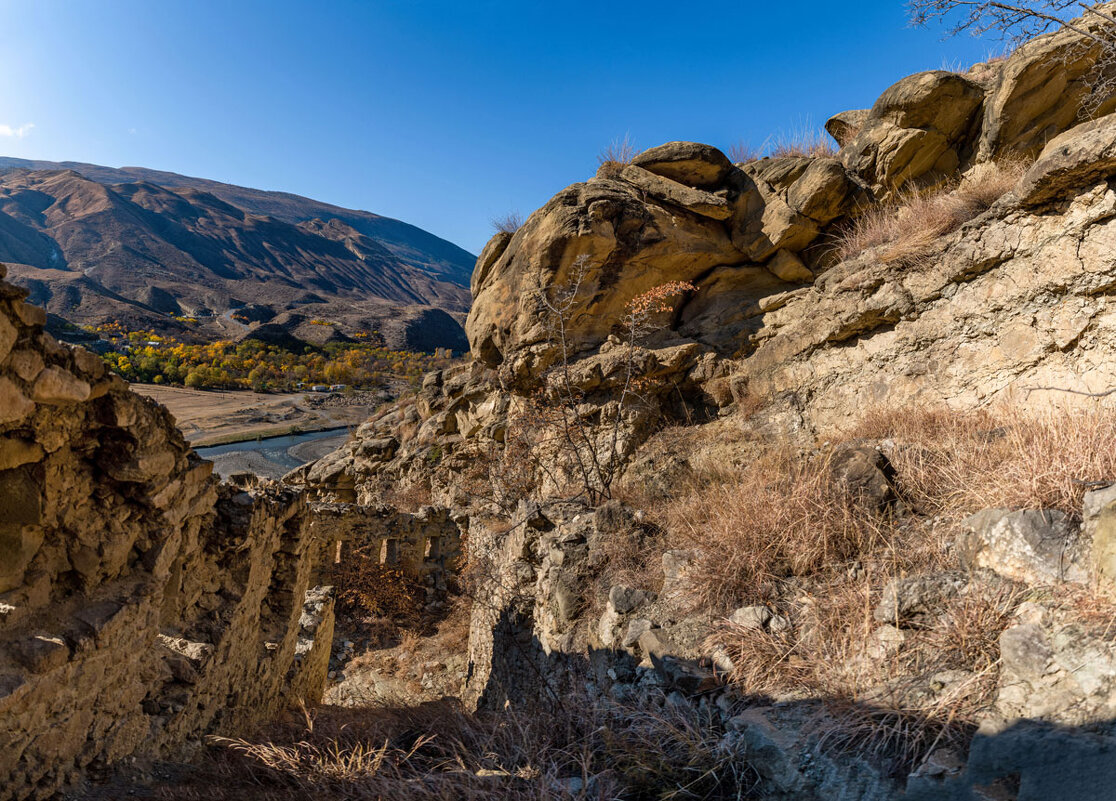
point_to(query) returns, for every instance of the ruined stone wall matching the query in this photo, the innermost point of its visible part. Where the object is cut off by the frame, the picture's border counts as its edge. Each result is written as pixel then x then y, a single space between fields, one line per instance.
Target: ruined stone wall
pixel 142 604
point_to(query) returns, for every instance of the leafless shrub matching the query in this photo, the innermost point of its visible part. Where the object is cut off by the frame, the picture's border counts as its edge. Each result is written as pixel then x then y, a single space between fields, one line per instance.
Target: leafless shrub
pixel 1017 22
pixel 509 223
pixel 619 151
pixel 742 153
pixel 587 438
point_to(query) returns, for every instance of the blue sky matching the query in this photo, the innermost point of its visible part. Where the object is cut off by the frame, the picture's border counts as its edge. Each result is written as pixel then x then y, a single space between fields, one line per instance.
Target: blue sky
pixel 443 114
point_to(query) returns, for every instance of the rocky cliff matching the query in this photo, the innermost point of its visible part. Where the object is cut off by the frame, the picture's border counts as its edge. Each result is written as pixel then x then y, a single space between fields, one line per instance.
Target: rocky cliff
pixel 1009 298
pixel 141 604
pixel 782 333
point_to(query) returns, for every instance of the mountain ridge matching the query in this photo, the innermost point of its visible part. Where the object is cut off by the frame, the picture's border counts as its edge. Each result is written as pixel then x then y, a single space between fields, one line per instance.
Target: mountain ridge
pixel 94 244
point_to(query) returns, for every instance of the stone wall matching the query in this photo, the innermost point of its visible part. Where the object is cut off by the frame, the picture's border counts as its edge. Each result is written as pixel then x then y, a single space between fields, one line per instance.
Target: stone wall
pixel 142 604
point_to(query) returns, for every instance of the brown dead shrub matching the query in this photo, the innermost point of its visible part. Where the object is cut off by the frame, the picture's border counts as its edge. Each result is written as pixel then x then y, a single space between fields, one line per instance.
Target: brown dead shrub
pixel 906 230
pixel 780 517
pixel 1001 458
pixel 364 586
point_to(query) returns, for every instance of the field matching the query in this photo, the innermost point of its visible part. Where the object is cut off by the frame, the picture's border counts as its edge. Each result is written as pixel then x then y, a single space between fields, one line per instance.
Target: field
pixel 212 417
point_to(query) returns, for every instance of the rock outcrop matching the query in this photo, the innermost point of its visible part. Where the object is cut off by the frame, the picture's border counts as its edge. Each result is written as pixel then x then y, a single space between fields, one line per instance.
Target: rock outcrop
pixel 142 605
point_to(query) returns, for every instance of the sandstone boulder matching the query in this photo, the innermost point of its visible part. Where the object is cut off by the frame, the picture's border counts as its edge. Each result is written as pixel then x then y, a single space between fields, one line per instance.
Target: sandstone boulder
pixel 689 163
pixel 920 129
pixel 1077 159
pixel 844 126
pixel 1045 87
pixel 612 240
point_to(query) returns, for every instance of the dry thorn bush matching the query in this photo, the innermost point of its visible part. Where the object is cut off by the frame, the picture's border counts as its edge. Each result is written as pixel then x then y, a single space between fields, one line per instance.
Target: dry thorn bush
pixel 508 224
pixel 906 230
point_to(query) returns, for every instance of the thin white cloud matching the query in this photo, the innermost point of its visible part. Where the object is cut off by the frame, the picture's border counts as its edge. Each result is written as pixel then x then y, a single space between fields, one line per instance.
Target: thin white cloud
pixel 17 133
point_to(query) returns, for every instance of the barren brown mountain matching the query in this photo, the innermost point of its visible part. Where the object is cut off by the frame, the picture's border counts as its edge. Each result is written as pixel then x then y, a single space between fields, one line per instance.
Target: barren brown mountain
pixel 94 244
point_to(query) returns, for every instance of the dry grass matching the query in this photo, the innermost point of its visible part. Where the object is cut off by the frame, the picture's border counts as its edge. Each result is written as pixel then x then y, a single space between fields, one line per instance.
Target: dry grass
pixel 804 142
pixel 1002 458
pixel 437 751
pixel 780 517
pixel 775 531
pixel 618 152
pixel 907 230
pixel 508 224
pixel 742 152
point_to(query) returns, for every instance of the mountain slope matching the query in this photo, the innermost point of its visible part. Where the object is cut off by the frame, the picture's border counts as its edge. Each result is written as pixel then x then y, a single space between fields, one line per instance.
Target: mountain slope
pixel 144 247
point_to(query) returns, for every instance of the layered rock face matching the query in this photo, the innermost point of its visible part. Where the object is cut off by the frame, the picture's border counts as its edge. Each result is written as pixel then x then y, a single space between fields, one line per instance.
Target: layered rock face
pixel 1013 300
pixel 141 604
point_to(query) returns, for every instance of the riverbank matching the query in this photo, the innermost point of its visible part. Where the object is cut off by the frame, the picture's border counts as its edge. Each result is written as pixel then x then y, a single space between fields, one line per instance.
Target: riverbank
pixel 220 417
pixel 273 457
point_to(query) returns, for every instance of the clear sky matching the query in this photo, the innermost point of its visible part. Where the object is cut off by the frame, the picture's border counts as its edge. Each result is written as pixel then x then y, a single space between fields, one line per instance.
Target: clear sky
pixel 443 114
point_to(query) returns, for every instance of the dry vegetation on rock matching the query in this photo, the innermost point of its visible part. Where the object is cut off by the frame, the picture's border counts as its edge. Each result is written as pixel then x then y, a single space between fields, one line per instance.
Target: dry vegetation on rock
pixel 439 751
pixel 906 230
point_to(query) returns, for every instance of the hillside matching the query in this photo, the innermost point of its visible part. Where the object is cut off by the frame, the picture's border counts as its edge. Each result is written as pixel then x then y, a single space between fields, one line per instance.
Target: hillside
pixel 94 244
pixel 786 478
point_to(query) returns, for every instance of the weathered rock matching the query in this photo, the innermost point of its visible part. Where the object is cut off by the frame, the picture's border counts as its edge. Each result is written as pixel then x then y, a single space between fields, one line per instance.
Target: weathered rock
pixel 57 386
pixel 864 474
pixel 1081 157
pixel 673 192
pixel 1032 546
pixel 916 599
pixel 788 267
pixel 14 405
pixel 689 163
pixel 823 191
pixel 1099 533
pixel 844 126
pixel 751 617
pixel 918 130
pixel 1044 88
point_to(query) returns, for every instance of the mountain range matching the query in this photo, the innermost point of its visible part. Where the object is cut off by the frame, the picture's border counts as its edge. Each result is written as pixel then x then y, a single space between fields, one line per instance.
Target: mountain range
pixel 151 249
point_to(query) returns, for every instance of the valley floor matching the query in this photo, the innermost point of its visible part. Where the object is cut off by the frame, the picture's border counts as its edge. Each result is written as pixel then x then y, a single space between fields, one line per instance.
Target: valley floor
pixel 212 417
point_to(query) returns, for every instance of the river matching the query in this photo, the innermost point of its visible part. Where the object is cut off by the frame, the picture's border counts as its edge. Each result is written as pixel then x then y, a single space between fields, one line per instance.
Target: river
pixel 273 456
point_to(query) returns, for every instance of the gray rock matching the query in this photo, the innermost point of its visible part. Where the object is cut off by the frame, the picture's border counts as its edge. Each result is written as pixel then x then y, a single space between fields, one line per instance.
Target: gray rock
pixel 1099 533
pixel 635 630
pixel 751 617
pixel 1032 546
pixel 625 599
pixel 915 599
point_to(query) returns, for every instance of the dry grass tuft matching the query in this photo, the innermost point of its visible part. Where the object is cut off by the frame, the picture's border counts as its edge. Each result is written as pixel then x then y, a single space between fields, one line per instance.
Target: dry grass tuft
pixel 508 224
pixel 1005 458
pixel 438 751
pixel 780 517
pixel 805 142
pixel 742 153
pixel 907 230
pixel 618 152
